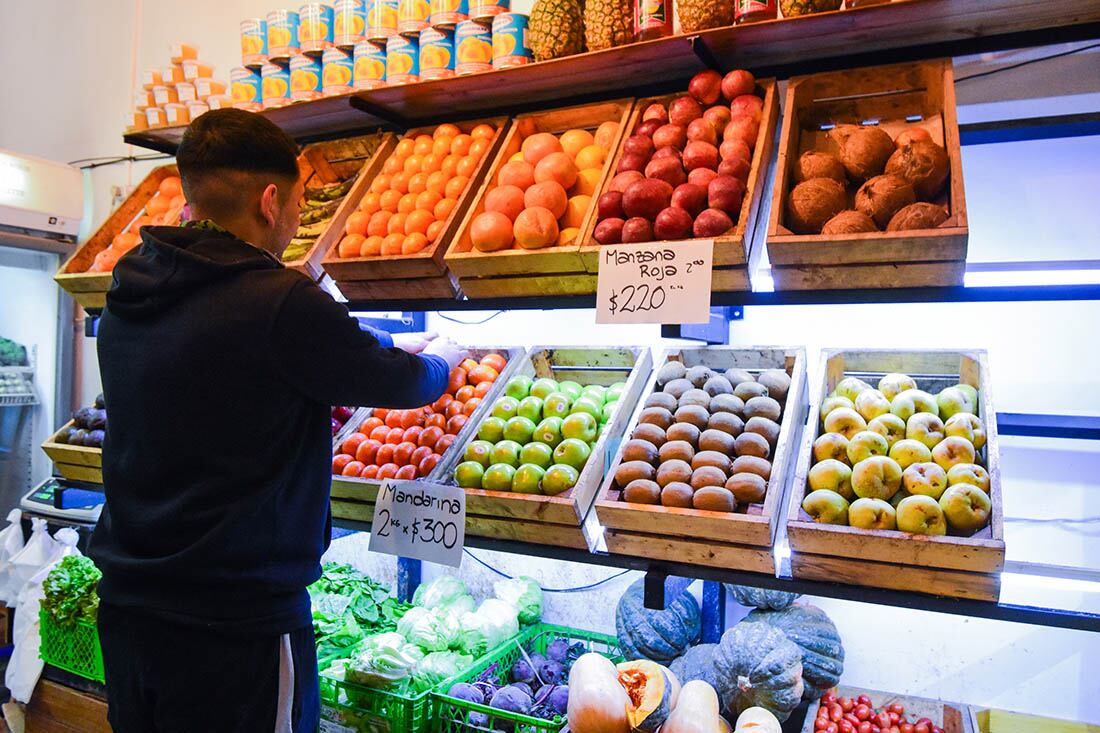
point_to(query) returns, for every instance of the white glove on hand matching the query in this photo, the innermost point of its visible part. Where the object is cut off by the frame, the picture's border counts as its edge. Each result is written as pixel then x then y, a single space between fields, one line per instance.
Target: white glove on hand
pixel 413 343
pixel 448 350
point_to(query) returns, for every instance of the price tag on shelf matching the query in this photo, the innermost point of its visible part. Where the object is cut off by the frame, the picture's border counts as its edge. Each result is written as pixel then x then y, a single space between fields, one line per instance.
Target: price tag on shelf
pixel 656 282
pixel 420 520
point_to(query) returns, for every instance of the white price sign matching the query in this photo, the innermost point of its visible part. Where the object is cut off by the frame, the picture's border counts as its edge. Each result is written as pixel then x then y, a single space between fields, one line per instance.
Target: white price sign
pixel 420 520
pixel 656 282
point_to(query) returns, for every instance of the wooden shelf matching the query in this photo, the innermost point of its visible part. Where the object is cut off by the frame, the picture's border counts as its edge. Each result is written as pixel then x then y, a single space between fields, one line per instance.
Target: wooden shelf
pixel 903 29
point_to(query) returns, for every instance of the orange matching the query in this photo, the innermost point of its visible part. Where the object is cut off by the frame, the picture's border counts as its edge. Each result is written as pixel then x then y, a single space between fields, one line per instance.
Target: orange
pixel 590 156
pixel 479 147
pixel 391 245
pixel 381 182
pixel 141 221
pixel 573 141
pixel 405 147
pixel 432 162
pixel 456 186
pixel 413 163
pixel 494 361
pixel 450 165
pixel 388 200
pixel 414 243
pixel 357 223
pixel 482 389
pixel 125 241
pixel 465 392
pixel 447 130
pixel 351 244
pixel 434 230
pixel 370 203
pixel 418 222
pixel 518 173
pixel 482 373
pixel 443 208
pixel 577 208
pixel 461 144
pixel 171 187
pixel 176 203
pixel 400 182
pixel 508 200
pixel 605 134
pixel 556 167
pixel 378 222
pixel 549 195
pixel 157 205
pixel 442 146
pixel 407 203
pixel 394 163
pixel 418 183
pixel 427 200
pixel 538 146
pixel 372 247
pixel 587 180
pixel 535 227
pixel 483 131
pixel 396 223
pixel 467 166
pixel 491 231
pixel 438 182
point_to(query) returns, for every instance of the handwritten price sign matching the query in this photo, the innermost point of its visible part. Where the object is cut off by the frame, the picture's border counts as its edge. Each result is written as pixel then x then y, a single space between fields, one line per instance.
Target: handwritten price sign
pixel 420 520
pixel 657 282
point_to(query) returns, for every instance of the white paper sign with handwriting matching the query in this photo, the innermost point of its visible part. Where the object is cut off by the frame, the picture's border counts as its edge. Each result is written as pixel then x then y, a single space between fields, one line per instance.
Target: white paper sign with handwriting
pixel 656 282
pixel 420 520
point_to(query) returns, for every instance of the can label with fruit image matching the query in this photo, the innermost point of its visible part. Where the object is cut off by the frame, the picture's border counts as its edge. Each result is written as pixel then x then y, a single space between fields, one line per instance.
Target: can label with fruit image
pixel 473 47
pixel 275 85
pixel 486 10
pixel 369 60
pixel 449 13
pixel 652 18
pixel 305 77
pixel 510 47
pixel 437 53
pixel 282 34
pixel 412 16
pixel 244 86
pixel 381 19
pixel 337 71
pixel 745 10
pixel 253 42
pixel 315 31
pixel 349 22
pixel 402 60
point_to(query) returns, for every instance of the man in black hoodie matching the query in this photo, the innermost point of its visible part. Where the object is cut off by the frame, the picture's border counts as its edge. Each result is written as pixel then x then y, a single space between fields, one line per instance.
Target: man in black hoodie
pixel 219 368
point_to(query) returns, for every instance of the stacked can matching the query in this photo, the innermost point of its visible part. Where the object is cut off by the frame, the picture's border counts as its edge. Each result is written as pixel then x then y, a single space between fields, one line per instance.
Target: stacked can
pixel 369 65
pixel 349 22
pixel 381 19
pixel 315 33
pixel 337 71
pixel 412 16
pixel 437 53
pixel 274 85
pixel 486 10
pixel 402 60
pixel 253 42
pixel 305 77
pixel 282 35
pixel 473 47
pixel 448 13
pixel 510 47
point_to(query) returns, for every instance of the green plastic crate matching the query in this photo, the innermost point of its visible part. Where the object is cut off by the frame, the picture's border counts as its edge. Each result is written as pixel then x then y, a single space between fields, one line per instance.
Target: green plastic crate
pixel 449 714
pixel 74 649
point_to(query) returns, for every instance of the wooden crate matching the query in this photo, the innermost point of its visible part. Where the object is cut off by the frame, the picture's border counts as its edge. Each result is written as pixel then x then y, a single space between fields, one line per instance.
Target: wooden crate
pixel 550 271
pixel 332 161
pixel 952 717
pixel 365 278
pixel 354 498
pixel 731 251
pixel 564 520
pixel 893 97
pixel 964 567
pixel 76 462
pixel 90 288
pixel 1002 721
pixel 56 708
pixel 718 539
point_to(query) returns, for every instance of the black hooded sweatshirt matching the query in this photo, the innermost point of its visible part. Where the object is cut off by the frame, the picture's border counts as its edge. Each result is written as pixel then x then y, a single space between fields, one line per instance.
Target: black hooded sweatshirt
pixel 219 368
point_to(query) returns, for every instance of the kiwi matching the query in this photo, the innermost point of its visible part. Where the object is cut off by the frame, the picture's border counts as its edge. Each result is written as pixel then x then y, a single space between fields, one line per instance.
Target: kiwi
pixel 670 471
pixel 717 385
pixel 658 416
pixel 714 499
pixel 727 403
pixel 767 429
pixel 637 449
pixel 695 397
pixel 763 407
pixel 747 390
pixel 747 488
pixel 698 375
pixel 752 464
pixel 677 494
pixel 642 491
pixel 737 376
pixel 684 431
pixel 670 371
pixel 716 440
pixel 726 422
pixel 707 476
pixel 632 471
pixel 677 387
pixel 751 444
pixel 651 433
pixel 712 458
pixel 677 450
pixel 661 399
pixel 777 381
pixel 694 414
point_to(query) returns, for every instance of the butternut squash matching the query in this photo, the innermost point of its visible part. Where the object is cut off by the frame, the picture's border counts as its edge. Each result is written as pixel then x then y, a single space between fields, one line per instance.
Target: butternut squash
pixel 696 711
pixel 597 702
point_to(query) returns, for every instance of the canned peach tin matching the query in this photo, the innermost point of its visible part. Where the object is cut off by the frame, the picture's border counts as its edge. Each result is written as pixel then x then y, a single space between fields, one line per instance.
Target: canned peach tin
pixel 437 53
pixel 473 47
pixel 402 60
pixel 274 85
pixel 370 65
pixel 315 32
pixel 448 13
pixel 349 22
pixel 412 16
pixel 510 41
pixel 244 87
pixel 381 19
pixel 282 34
pixel 485 10
pixel 337 71
pixel 305 77
pixel 253 42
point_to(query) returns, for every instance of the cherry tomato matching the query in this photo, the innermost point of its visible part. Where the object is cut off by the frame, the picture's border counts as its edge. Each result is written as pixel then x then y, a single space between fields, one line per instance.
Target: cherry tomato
pixel 828 698
pixel 894 717
pixel 926 721
pixel 864 700
pixel 845 727
pixel 922 727
pixel 862 711
pixel 882 720
pixel 897 708
pixel 864 727
pixel 846 704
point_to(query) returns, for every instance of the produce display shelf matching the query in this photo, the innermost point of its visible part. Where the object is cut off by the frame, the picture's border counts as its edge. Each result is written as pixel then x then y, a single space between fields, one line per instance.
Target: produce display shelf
pixel 906 29
pixel 1034 615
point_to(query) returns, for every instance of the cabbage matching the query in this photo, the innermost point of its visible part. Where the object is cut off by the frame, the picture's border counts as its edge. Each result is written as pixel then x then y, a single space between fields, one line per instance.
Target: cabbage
pixel 439 592
pixel 458 605
pixel 432 631
pixel 523 593
pixel 383 660
pixel 439 667
pixel 410 619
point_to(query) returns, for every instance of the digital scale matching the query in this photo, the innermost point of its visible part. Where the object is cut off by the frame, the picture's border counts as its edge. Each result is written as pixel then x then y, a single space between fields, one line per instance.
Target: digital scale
pixel 73 501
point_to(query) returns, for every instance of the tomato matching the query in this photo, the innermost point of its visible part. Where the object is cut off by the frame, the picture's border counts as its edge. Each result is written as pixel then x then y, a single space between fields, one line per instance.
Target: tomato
pixel 428 464
pixel 846 704
pixel 470 406
pixel 466 393
pixel 370 472
pixel 454 425
pixel 482 389
pixel 406 473
pixel 395 436
pixel 821 723
pixel 385 454
pixel 862 711
pixel 897 708
pixel 882 720
pixel 441 404
pixel 338 463
pixel 864 700
pixel 851 719
pixel 430 436
pixel 864 727
pixel 412 435
pixel 455 408
pixel 494 361
pixel 404 453
pixel 922 727
pixel 845 727
pixel 828 698
pixel 369 425
pixel 387 471
pixel 435 421
pixel 380 413
pixel 835 712
pixel 457 380
pixel 367 450
pixel 832 728
pixel 906 728
pixel 354 468
pixel 894 717
pixel 393 418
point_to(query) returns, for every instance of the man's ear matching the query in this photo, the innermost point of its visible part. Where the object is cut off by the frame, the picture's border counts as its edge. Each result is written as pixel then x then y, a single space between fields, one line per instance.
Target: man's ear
pixel 269 204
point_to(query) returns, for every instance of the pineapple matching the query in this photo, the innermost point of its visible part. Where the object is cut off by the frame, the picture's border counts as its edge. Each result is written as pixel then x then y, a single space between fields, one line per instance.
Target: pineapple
pixel 698 15
pixel 556 28
pixel 608 23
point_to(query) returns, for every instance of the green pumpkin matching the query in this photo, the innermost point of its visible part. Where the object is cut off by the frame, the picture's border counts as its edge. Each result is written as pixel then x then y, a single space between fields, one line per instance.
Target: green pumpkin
pixel 660 636
pixel 758 666
pixel 697 663
pixel 816 635
pixel 761 597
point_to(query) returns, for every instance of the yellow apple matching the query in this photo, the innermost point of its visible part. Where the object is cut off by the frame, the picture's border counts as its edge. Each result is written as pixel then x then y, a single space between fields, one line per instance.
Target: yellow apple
pixel 845 421
pixel 889 426
pixel 893 384
pixel 921 515
pixel 865 444
pixel 911 401
pixel 827 507
pixel 953 401
pixel 831 445
pixel 966 507
pixel 833 402
pixel 925 427
pixel 971 393
pixel 925 478
pixel 872 514
pixel 833 475
pixel 968 473
pixel 907 452
pixel 850 387
pixel 877 477
pixel 965 425
pixel 870 403
pixel 953 451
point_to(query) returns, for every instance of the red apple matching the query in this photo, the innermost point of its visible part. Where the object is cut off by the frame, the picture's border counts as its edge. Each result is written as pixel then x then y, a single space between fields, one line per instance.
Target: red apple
pixel 622 181
pixel 736 83
pixel 648 127
pixel 725 193
pixel 744 128
pixel 706 86
pixel 646 198
pixel 674 135
pixel 736 167
pixel 637 229
pixel 610 205
pixel 747 104
pixel 701 129
pixel 667 152
pixel 711 223
pixel 699 154
pixel 672 223
pixel 666 169
pixel 683 110
pixel 701 176
pixel 691 198
pixel 735 148
pixel 655 111
pixel 609 231
pixel 718 117
pixel 632 162
pixel 638 145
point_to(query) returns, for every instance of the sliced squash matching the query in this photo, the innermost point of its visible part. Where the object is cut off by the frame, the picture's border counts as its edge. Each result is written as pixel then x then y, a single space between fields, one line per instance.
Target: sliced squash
pixel 653 691
pixel 597 702
pixel 757 720
pixel 696 711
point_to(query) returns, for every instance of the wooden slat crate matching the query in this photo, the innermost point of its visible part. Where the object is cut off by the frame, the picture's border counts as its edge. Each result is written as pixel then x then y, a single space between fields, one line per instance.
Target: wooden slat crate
pixel 894 97
pixel 965 567
pixel 562 520
pixel 90 288
pixel 354 498
pixel 1002 721
pixel 421 275
pixel 76 462
pixel 56 708
pixel 741 540
pixel 952 717
pixel 332 161
pixel 731 251
pixel 549 271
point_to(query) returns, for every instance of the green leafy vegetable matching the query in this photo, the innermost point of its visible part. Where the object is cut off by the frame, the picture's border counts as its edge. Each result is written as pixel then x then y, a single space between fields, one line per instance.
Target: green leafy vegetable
pixel 70 591
pixel 348 605
pixel 11 353
pixel 523 593
pixel 384 660
pixel 438 667
pixel 439 592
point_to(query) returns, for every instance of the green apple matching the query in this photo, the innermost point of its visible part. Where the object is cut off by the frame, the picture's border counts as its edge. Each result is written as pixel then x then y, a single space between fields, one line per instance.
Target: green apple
pixel 967 508
pixel 608 412
pixel 924 427
pixel 953 451
pixel 972 474
pixel 953 401
pixel 827 507
pixel 833 475
pixel 965 425
pixel 831 445
pixel 877 477
pixel 519 429
pixel 833 402
pixel 850 387
pixel 491 429
pixel 527 479
pixel 894 384
pixel 506 451
pixel 572 452
pixel 596 392
pixel 925 478
pixel 907 452
pixel 865 444
pixel 580 425
pixel 870 403
pixel 921 514
pixel 573 389
pixel 872 514
pixel 505 407
pixel 549 431
pixel 498 477
pixel 556 405
pixel 518 387
pixel 530 408
pixel 586 404
pixel 478 450
pixel 558 479
pixel 615 391
pixel 543 388
pixel 845 421
pixel 539 454
pixel 971 393
pixel 889 426
pixel 469 474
